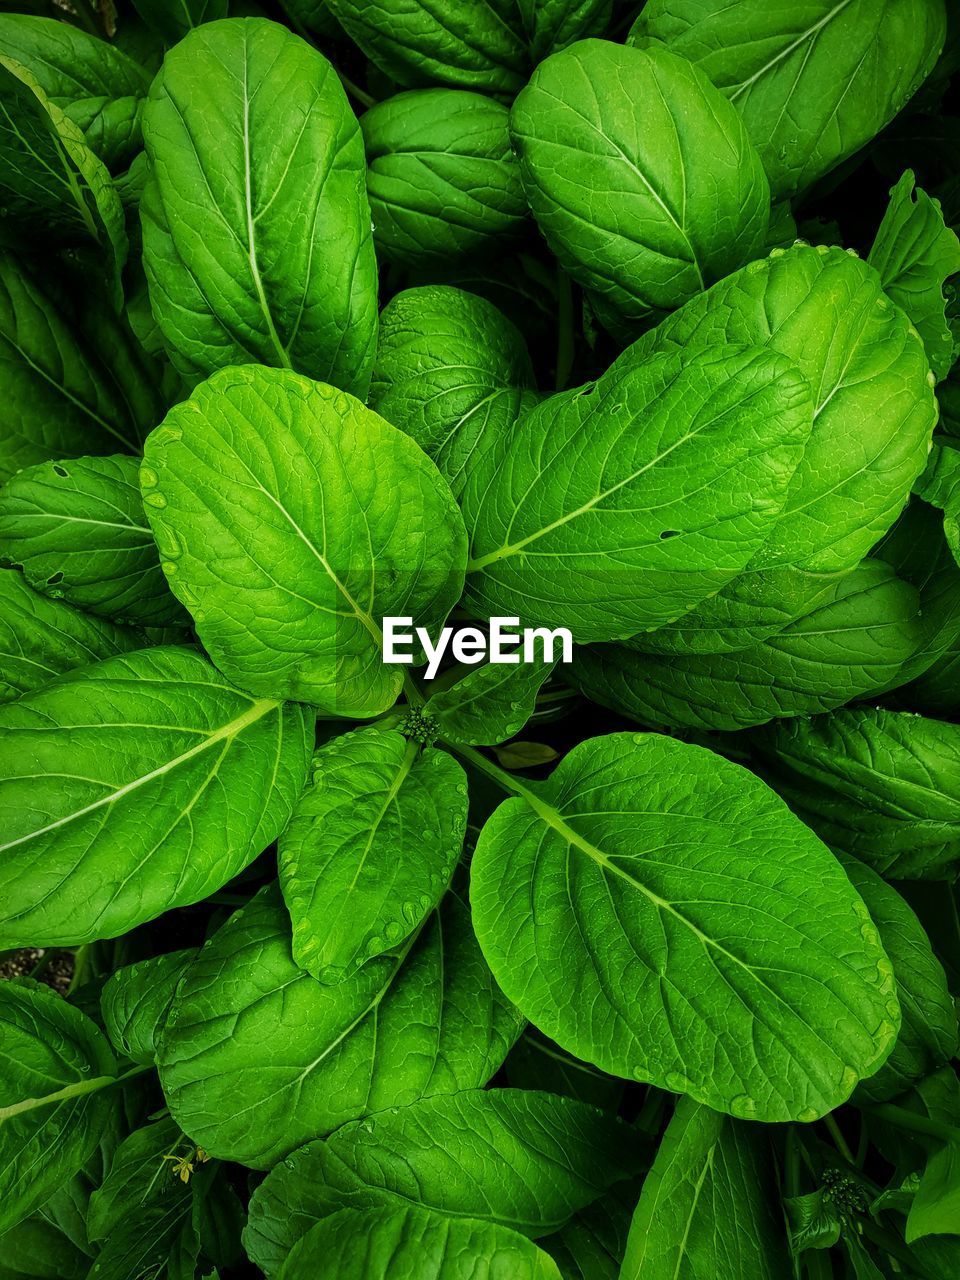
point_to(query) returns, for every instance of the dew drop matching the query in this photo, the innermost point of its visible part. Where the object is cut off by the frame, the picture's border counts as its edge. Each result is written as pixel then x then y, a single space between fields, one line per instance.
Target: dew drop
pixel 374 945
pixel 169 568
pixel 677 1081
pixel 155 499
pixel 394 931
pixel 743 1106
pixel 808 1115
pixel 409 912
pixel 148 477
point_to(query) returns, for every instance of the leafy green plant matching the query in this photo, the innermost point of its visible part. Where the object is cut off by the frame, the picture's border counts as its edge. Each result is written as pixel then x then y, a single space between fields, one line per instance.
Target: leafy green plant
pixel 625 950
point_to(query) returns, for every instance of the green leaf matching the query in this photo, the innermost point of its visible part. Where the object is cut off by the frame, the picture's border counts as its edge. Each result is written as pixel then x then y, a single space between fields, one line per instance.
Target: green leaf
pixel 443 182
pixel 917 550
pixel 535 1062
pixel 453 373
pixel 370 849
pixel 472 44
pixel 92 82
pixel 288 579
pixel 49 177
pixel 135 785
pixel 77 530
pixel 142 1244
pixel 645 217
pixel 409 1244
pixel 657 911
pixel 525 755
pixel 138 1174
pixel 873 402
pixel 621 505
pixel 813 82
pixel 928 1030
pixel 490 703
pixel 52 1104
pixel 708 1209
pixel 915 253
pixel 136 999
pixel 940 486
pixel 592 1244
pixel 855 641
pixel 174 21
pixel 814 1221
pixel 881 785
pixel 504 1156
pixel 936 1206
pixel 68 389
pixel 42 638
pixel 303 1058
pixel 36 1248
pixel 256 168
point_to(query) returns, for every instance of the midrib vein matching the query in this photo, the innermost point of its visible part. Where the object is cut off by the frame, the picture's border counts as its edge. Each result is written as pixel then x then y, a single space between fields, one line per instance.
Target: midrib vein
pixel 231 729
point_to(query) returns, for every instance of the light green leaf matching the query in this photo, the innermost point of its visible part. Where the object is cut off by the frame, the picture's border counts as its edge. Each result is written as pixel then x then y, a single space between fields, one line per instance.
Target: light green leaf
pixel 873 401
pixel 522 1159
pixel 453 373
pixel 657 911
pixel 644 215
pixel 709 1208
pixel 91 81
pixel 443 182
pixel 77 530
pixel 303 1058
pixel 370 849
pixel 256 169
pixel 489 703
pixel 291 520
pixel 936 1206
pixel 883 786
pixel 41 638
pixel 621 505
pixel 52 185
pixel 915 252
pixel 135 785
pixel 136 999
pixel 812 81
pixel 855 641
pixel 409 1244
pixel 52 1100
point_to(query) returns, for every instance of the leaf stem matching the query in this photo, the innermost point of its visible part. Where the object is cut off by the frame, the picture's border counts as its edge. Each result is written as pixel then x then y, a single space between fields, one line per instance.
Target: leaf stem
pixel 414 697
pixel 500 776
pixel 361 95
pixel 839 1141
pixel 914 1123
